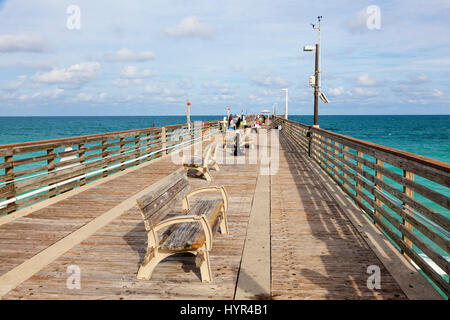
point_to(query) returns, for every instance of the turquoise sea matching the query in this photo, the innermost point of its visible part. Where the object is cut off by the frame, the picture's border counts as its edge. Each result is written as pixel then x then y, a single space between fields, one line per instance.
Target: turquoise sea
pixel 427 135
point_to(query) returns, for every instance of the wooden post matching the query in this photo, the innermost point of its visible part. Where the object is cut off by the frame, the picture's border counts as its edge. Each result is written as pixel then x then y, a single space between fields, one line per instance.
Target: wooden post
pixel 361 166
pixel 410 176
pixel 345 175
pixel 136 144
pixel 12 189
pixel 105 173
pixel 336 158
pixel 122 145
pixel 81 155
pixel 51 162
pixel 164 141
pixel 149 144
pixel 379 175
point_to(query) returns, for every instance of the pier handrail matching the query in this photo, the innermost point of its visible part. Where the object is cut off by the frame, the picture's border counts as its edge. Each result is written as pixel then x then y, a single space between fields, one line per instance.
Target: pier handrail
pixel 37 170
pixel 403 193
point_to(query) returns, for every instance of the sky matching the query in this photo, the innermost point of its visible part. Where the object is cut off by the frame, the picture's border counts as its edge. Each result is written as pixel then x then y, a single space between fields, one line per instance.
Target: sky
pixel 100 57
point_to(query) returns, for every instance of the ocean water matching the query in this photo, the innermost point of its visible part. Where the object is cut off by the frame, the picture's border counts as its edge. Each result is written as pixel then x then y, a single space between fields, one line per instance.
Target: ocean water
pixel 427 135
pixel 22 129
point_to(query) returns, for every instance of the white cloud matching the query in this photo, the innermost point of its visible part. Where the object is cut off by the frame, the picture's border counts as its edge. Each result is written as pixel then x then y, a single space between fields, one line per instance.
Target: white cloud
pixel 22 43
pixel 238 68
pixel 126 55
pixel 74 75
pixel 358 23
pixel 87 97
pixel 336 91
pixel 186 84
pixel 365 80
pixel 415 79
pixel 131 72
pixel 172 93
pixel 165 94
pixel 191 27
pixel 363 92
pixel 437 93
pixel 270 81
pixel 120 83
pixel 35 65
pixel 15 84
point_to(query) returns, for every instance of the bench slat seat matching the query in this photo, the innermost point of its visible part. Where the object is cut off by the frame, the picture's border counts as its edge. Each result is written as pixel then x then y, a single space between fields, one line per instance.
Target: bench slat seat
pixel 190 235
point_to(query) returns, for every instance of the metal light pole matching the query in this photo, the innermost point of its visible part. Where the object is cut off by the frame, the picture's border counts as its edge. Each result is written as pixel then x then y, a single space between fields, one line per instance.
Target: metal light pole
pixel 316 90
pixel 286 106
pixel 316 74
pixel 188 116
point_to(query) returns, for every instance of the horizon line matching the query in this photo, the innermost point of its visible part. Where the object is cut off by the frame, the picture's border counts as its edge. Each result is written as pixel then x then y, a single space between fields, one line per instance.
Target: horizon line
pixel 220 115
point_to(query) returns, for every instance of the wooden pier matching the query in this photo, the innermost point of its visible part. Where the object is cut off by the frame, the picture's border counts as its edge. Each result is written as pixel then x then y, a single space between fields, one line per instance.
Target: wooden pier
pixel 293 235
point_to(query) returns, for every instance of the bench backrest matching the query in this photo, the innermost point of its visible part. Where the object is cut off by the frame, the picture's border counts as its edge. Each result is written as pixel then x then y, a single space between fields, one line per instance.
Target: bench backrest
pixel 156 204
pixel 210 152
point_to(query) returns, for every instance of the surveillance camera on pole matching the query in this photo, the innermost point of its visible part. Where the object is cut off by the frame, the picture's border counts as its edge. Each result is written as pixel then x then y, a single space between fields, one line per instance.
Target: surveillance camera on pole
pixel 323 97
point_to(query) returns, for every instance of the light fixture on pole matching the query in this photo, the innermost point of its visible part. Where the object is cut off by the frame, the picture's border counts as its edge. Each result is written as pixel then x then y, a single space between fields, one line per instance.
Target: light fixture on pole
pixel 188 116
pixel 286 106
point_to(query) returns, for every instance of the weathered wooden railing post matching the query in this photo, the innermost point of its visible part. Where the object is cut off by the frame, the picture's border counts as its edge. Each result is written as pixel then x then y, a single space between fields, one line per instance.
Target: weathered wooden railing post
pixel 81 155
pixel 378 175
pixel 336 157
pixel 163 141
pixel 358 185
pixel 345 175
pixel 149 145
pixel 122 144
pixel 410 193
pixel 137 146
pixel 309 135
pixel 51 167
pixel 11 187
pixel 104 149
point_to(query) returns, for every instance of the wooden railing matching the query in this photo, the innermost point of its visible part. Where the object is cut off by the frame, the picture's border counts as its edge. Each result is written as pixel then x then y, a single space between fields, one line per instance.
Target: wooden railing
pixel 404 194
pixel 34 171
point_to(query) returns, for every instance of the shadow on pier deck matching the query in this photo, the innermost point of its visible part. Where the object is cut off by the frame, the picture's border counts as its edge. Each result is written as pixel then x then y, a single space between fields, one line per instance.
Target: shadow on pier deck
pixel 313 252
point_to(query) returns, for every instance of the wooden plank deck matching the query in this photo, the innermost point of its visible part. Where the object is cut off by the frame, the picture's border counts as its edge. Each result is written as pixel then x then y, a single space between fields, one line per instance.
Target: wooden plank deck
pixel 316 253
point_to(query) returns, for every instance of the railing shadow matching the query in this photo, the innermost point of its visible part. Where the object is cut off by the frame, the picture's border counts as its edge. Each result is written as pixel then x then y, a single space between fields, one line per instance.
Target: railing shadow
pixel 347 256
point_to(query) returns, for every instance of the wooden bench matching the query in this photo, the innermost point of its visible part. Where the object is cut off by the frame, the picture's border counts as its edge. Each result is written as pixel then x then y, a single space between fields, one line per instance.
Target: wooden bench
pixel 202 164
pixel 191 231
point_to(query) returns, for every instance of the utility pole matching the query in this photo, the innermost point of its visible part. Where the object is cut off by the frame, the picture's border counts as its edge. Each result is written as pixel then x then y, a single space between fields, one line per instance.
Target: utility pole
pixel 317 76
pixel 188 116
pixel 316 90
pixel 286 105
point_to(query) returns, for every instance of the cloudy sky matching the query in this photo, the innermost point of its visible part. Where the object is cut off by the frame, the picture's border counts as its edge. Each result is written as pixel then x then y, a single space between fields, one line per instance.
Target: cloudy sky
pixel 147 57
